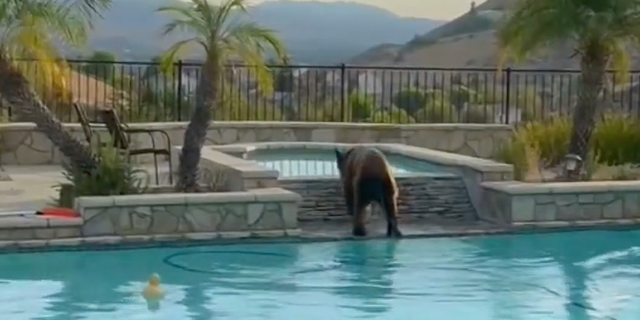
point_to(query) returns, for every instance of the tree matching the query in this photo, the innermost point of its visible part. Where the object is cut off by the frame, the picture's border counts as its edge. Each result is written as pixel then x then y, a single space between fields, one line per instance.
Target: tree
pixel 410 100
pixel 153 70
pixel 599 32
pixel 283 78
pixel 223 37
pixel 101 65
pixel 29 27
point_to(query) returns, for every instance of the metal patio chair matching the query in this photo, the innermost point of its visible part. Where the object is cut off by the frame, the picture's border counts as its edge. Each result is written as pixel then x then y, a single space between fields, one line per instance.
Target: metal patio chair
pixel 88 126
pixel 122 133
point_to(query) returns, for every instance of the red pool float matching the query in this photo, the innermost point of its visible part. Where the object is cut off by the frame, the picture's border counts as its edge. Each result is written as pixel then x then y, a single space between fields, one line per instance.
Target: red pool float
pixel 58 213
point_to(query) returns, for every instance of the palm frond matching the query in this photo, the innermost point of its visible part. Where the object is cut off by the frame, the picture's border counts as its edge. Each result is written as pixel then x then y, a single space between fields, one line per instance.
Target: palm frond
pixel 251 43
pixel 173 53
pixel 185 19
pixel 88 9
pixel 536 24
pixel 30 29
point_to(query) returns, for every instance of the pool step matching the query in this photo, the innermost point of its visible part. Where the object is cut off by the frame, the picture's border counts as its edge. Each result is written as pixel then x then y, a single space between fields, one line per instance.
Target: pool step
pixel 443 196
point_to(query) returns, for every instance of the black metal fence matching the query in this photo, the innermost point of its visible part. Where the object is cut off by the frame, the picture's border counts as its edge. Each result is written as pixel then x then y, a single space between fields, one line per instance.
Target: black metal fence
pixel 142 92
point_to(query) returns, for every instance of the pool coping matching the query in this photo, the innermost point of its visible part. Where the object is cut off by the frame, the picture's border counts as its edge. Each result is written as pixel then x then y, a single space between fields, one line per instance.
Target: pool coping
pixel 422 154
pixel 330 234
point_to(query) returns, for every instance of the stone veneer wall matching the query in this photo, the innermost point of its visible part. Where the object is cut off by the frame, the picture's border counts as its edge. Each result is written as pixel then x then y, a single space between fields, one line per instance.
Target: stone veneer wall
pixel 435 195
pixel 261 210
pixel 516 202
pixel 20 143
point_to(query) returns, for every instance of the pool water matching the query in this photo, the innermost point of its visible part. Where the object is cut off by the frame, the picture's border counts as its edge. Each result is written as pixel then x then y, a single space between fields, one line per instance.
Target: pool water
pixel 314 163
pixel 577 276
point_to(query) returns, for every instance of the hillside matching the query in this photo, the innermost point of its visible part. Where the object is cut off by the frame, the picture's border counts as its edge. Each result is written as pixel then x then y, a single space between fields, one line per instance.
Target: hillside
pixel 467 41
pixel 315 32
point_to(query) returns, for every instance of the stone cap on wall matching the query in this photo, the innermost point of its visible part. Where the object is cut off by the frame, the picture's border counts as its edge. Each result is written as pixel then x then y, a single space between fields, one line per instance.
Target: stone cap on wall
pixel 423 154
pixel 448 159
pixel 213 159
pixel 524 188
pixel 257 195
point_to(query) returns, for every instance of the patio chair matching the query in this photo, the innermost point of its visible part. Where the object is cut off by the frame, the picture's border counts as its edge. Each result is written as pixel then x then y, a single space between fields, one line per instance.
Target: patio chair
pixel 87 125
pixel 121 135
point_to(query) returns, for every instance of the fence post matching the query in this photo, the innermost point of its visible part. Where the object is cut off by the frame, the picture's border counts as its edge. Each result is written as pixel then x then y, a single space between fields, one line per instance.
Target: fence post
pixel 507 104
pixel 179 91
pixel 343 74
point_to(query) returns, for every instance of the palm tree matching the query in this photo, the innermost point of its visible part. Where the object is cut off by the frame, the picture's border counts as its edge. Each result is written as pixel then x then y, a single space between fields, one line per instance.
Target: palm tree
pixel 28 28
pixel 223 34
pixel 599 31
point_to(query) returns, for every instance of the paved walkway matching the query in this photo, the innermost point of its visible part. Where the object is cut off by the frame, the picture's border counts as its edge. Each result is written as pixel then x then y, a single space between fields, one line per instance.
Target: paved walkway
pixel 34 187
pixel 30 188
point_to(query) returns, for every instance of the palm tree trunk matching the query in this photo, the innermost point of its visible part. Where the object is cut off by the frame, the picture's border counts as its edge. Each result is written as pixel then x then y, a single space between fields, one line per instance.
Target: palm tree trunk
pixel 194 136
pixel 17 92
pixel 593 66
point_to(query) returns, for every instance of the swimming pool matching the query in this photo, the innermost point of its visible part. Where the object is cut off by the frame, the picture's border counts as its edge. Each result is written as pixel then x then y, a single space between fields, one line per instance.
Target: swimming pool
pixel 322 162
pixel 577 276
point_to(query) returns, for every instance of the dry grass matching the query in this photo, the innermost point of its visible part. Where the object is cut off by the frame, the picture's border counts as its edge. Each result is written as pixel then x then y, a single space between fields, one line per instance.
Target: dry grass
pixel 455 52
pixel 624 172
pixel 87 90
pixel 470 50
pixel 535 173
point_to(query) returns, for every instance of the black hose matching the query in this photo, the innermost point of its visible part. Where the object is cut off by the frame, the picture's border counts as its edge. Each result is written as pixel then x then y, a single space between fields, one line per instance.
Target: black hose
pixel 168 260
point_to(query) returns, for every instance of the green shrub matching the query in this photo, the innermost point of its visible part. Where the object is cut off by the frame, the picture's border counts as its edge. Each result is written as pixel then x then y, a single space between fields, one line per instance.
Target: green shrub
pixel 526 99
pixel 237 109
pixel 410 100
pixel 395 115
pixel 114 176
pixel 460 96
pixel 362 106
pixel 436 96
pixel 441 112
pixel 535 145
pixel 490 93
pixel 616 140
pixel 614 143
pixel 551 138
pixel 479 114
pixel 513 153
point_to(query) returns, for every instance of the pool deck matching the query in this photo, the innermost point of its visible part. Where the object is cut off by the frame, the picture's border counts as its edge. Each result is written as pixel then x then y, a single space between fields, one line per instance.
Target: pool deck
pixel 30 187
pixel 33 187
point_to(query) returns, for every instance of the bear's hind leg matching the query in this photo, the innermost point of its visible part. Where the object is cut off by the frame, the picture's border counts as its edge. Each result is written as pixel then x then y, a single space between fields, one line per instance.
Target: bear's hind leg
pixel 359 223
pixel 390 207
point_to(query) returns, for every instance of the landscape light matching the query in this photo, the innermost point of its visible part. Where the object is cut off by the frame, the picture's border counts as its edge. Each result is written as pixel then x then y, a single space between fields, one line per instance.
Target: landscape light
pixel 571 162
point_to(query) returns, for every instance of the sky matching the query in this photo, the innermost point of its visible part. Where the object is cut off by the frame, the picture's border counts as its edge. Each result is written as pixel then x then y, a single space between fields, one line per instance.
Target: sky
pixel 435 9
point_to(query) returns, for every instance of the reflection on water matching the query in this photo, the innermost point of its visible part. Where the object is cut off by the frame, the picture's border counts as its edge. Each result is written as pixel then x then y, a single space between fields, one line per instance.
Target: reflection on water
pixel 576 276
pixel 600 269
pixel 314 163
pixel 14 294
pixel 367 272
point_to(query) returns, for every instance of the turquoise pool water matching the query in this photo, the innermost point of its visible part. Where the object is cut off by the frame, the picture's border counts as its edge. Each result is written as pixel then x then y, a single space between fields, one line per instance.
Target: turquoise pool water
pixel 576 276
pixel 313 163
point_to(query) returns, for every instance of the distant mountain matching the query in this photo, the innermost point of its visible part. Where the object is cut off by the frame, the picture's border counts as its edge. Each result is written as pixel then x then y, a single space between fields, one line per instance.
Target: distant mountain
pixel 315 32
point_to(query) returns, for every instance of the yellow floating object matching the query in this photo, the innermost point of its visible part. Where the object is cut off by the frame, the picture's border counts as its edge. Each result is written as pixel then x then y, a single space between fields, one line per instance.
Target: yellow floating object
pixel 153 292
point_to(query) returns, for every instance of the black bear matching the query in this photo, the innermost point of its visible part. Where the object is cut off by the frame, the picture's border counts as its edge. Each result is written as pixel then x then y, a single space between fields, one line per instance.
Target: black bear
pixel 366 178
